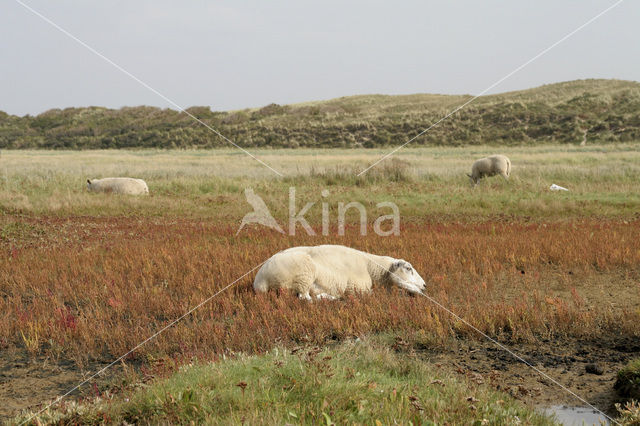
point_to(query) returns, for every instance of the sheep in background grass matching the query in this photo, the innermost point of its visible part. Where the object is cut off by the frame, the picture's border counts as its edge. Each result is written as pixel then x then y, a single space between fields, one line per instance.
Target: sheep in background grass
pixel 328 271
pixel 118 185
pixel 490 166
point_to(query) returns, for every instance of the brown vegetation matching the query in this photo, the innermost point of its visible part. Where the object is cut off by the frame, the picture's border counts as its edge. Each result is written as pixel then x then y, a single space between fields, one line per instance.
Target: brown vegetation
pixel 91 288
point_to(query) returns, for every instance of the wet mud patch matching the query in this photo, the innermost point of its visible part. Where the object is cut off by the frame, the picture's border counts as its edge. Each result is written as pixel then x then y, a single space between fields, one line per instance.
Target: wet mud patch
pixel 586 368
pixel 29 384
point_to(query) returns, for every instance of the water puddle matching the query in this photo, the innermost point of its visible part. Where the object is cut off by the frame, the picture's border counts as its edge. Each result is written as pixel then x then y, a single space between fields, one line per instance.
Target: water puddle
pixel 576 416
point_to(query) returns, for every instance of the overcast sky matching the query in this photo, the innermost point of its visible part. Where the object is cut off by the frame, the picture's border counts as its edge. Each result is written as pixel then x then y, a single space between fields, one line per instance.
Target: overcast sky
pixel 237 54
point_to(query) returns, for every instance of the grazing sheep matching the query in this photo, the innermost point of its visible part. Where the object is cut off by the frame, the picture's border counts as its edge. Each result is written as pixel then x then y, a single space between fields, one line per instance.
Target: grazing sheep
pixel 118 185
pixel 490 166
pixel 328 271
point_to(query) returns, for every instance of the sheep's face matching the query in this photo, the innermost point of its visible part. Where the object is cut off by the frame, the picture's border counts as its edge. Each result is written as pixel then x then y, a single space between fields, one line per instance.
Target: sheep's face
pixel 89 185
pixel 405 276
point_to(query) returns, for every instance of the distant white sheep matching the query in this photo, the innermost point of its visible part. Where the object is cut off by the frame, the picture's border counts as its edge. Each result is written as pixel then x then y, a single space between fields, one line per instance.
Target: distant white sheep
pixel 490 166
pixel 118 185
pixel 328 271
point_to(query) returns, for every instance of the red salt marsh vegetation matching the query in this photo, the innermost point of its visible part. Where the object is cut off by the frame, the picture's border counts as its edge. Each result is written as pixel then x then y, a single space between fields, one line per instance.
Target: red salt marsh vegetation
pixel 87 288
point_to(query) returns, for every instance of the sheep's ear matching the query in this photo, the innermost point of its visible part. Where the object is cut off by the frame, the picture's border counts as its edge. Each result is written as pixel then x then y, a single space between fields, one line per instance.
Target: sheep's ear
pixel 396 265
pixel 468 175
pixel 89 181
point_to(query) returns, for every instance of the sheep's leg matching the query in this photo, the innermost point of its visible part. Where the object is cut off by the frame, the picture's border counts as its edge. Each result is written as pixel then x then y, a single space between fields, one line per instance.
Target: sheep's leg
pixel 303 284
pixel 318 291
pixel 325 296
pixel 300 274
pixel 304 296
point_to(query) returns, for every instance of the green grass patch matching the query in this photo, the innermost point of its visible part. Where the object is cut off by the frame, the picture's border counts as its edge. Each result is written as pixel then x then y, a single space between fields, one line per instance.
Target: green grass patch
pixel 354 383
pixel 628 380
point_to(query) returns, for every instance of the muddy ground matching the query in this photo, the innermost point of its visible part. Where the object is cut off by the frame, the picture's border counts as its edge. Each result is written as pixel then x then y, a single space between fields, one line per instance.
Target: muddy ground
pixel 28 383
pixel 570 363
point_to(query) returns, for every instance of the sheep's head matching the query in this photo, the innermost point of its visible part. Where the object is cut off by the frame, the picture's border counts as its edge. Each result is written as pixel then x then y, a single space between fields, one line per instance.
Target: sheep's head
pixel 473 181
pixel 89 184
pixel 402 274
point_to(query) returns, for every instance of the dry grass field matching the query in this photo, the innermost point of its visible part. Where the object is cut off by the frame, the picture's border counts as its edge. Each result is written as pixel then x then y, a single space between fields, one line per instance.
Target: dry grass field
pixel 424 182
pixel 85 277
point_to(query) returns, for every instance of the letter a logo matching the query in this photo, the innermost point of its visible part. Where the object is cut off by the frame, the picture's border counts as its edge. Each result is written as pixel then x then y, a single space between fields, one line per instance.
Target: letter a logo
pixel 260 213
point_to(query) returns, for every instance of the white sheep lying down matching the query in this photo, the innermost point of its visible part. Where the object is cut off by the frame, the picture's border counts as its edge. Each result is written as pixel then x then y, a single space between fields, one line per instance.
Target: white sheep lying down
pixel 490 166
pixel 328 271
pixel 118 185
